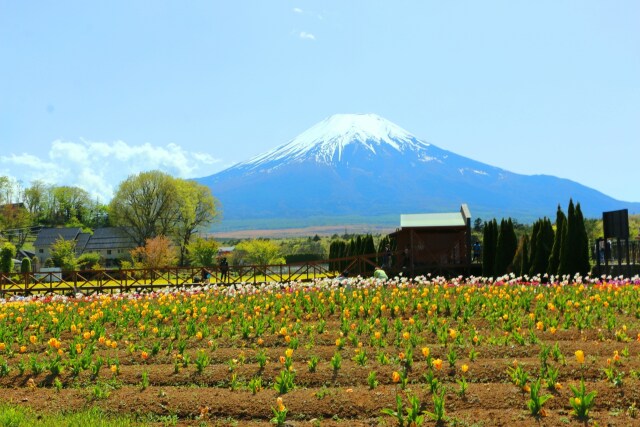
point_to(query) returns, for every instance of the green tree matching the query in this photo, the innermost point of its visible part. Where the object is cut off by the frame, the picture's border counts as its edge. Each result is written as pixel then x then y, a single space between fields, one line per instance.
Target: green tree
pixel 337 249
pixel 15 221
pixel 88 260
pixel 568 245
pixel 197 209
pixel 25 265
pixel 63 254
pixel 505 248
pixel 489 242
pixel 147 205
pixel 369 247
pixel 7 189
pixel 7 253
pixel 70 204
pixel 259 252
pixel 554 258
pixel 521 260
pixel 583 265
pixel 544 243
pixel 34 200
pixel 202 252
pixel 533 244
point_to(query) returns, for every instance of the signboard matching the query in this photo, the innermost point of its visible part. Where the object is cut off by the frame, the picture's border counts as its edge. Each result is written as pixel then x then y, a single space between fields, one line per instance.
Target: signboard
pixel 616 224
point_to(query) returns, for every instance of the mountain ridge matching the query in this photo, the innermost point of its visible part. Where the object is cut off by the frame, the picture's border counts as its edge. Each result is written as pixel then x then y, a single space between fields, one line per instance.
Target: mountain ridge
pixel 362 165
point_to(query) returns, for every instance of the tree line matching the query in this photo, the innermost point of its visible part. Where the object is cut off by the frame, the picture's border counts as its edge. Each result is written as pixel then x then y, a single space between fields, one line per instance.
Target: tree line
pixel 148 205
pixel 562 251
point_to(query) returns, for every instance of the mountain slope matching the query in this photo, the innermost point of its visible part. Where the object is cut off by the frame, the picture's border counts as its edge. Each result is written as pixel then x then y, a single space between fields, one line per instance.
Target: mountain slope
pixel 363 166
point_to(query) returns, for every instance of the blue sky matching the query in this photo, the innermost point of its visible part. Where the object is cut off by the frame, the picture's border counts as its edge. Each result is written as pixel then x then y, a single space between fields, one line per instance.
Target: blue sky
pixel 91 92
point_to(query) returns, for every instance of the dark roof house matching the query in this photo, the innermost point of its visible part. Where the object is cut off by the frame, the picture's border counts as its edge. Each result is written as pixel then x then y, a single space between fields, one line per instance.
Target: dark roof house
pixel 47 237
pixel 112 243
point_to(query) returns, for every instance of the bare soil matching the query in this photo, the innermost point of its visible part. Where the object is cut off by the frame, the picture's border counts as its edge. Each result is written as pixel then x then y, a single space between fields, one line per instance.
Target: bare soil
pixel 341 398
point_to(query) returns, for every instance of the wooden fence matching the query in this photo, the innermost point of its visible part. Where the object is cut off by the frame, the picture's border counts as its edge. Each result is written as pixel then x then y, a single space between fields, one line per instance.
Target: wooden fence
pixel 128 280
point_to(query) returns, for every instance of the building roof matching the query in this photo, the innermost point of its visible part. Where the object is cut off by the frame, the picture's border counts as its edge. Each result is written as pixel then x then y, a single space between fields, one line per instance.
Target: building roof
pixel 109 238
pixel 446 219
pixel 23 253
pixel 47 236
pixel 81 242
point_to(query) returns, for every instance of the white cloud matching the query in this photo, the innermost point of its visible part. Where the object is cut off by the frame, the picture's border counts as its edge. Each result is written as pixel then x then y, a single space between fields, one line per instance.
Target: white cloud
pixel 307 36
pixel 297 10
pixel 99 167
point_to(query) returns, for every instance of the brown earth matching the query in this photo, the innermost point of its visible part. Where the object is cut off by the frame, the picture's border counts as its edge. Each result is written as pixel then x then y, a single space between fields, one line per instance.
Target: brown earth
pixel 343 397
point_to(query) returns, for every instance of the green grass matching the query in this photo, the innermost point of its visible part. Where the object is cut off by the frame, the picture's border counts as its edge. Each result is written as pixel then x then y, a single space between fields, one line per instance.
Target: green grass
pixel 19 416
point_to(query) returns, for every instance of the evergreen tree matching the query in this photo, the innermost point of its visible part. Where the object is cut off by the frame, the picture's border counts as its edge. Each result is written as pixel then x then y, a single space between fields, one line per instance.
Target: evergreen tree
pixel 568 246
pixel 368 247
pixel 521 259
pixel 583 265
pixel 489 241
pixel 506 248
pixel 544 244
pixel 25 265
pixel 337 249
pixel 533 243
pixel 554 257
pixel 359 245
pixel 7 253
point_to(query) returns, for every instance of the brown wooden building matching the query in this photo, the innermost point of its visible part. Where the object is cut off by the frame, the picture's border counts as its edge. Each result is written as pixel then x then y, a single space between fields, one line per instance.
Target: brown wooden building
pixel 437 243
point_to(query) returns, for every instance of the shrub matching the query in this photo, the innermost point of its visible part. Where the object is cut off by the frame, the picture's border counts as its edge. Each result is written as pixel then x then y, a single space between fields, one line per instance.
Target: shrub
pixel 25 266
pixel 7 253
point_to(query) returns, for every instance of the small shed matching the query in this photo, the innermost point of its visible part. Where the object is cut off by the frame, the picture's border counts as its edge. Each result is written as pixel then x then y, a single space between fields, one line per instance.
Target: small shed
pixel 433 242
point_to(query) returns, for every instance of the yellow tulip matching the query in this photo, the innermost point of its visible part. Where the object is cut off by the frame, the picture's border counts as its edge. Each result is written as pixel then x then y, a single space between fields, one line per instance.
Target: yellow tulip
pixel 426 351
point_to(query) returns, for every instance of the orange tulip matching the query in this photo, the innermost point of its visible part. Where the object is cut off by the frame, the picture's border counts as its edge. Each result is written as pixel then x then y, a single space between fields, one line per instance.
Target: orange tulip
pixel 437 364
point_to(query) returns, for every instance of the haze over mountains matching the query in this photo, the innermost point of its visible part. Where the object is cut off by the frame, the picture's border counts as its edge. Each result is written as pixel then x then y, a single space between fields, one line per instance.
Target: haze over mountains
pixel 361 168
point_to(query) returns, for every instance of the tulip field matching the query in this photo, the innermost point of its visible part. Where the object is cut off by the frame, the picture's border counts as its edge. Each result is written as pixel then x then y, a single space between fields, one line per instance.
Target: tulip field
pixel 350 352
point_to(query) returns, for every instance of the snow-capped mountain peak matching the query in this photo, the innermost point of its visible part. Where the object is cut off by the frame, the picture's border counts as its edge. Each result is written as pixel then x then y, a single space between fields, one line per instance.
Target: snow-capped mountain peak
pixel 325 142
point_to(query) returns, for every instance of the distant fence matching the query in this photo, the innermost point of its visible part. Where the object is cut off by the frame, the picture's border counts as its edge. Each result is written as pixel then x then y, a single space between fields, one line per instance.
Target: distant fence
pixel 616 256
pixel 127 280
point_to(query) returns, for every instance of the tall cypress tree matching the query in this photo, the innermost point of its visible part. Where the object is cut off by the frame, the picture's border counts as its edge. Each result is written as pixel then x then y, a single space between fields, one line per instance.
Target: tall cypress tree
pixel 533 243
pixel 583 265
pixel 368 247
pixel 506 248
pixel 337 249
pixel 489 241
pixel 568 246
pixel 554 257
pixel 544 244
pixel 512 244
pixel 521 259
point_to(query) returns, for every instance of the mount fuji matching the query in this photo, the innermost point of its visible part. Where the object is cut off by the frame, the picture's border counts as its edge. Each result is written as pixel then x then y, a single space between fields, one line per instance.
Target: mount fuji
pixel 362 168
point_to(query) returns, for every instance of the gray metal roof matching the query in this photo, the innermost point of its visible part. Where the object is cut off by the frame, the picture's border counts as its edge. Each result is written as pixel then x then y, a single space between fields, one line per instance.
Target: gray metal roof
pixel 109 238
pixel 446 219
pixel 81 242
pixel 453 219
pixel 47 236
